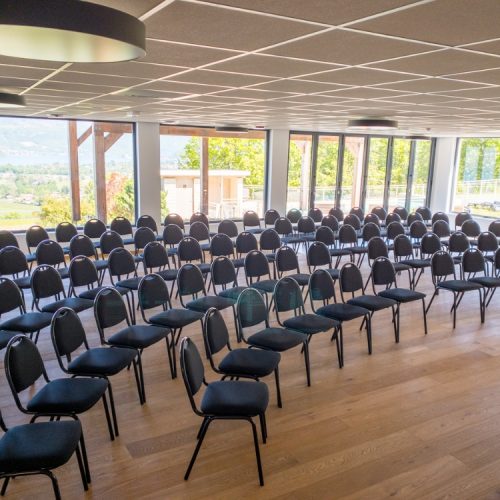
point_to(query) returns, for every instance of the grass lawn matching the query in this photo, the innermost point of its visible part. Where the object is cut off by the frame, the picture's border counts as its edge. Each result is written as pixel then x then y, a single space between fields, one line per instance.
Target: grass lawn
pixel 27 215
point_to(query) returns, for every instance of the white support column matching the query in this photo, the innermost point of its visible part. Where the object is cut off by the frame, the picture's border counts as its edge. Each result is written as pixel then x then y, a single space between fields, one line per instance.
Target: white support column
pixel 148 170
pixel 442 181
pixel 277 177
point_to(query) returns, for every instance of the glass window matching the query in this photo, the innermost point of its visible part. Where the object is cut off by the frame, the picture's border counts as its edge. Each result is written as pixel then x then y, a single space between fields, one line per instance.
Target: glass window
pixel 399 173
pixel 299 172
pixel 477 181
pixel 352 170
pixel 421 171
pixel 326 172
pixel 377 168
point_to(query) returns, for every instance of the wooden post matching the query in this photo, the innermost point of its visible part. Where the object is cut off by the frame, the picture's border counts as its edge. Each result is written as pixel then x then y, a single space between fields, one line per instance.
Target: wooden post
pixel 74 171
pixel 100 171
pixel 204 175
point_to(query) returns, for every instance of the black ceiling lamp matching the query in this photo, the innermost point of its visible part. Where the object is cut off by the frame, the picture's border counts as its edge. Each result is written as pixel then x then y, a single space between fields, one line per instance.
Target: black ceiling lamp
pixel 69 31
pixel 232 128
pixel 372 123
pixel 11 100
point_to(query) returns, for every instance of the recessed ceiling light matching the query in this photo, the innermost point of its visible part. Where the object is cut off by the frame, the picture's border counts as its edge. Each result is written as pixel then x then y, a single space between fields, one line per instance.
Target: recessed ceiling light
pixel 11 100
pixel 372 123
pixel 232 128
pixel 69 31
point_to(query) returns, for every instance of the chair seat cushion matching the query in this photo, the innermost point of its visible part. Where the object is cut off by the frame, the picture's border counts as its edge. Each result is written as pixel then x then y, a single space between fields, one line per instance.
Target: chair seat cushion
pixel 291 240
pixel 271 257
pixel 30 257
pixel 92 293
pixel 459 285
pixel 334 273
pixel 402 294
pixel 254 230
pixel 265 285
pixel 172 251
pixel 102 361
pixel 253 362
pixel 5 337
pixel 24 282
pixel 342 312
pixel 176 318
pixel 128 241
pixel 486 281
pixel 44 445
pixel 75 303
pixel 138 336
pixel 28 322
pixel 417 263
pixel 168 274
pixel 130 283
pixel 232 293
pixel 372 302
pixel 237 263
pixel 205 303
pixel 276 339
pixel 235 398
pixel 204 267
pixel 400 266
pixel 301 278
pixel 63 272
pixel 339 252
pixel 356 249
pixel 68 395
pixel 101 264
pixel 310 323
pixel 205 247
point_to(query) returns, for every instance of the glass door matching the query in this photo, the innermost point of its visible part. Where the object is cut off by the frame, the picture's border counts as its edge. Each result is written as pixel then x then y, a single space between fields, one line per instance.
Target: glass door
pixel 352 172
pixel 421 172
pixel 376 172
pixel 325 188
pixel 399 173
pixel 299 171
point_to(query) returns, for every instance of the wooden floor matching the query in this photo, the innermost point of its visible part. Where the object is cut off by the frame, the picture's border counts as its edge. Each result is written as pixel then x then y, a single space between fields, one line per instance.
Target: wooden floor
pixel 418 419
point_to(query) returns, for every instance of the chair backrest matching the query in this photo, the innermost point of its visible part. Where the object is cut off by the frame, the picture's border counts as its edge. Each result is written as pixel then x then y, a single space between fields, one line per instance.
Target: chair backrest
pixel 121 263
pixel 353 220
pixel 377 247
pixel 286 260
pixel 458 242
pixel 430 244
pixel 425 212
pixel 270 217
pixel 326 235
pixel 471 228
pixel 46 282
pixel 293 215
pixel 190 281
pixel 13 261
pixel 251 309
pixel 245 242
pixel 228 227
pixel 175 219
pixel 442 265
pixel 350 278
pixel 147 221
pixel 283 226
pixel 221 244
pixel 393 217
pixel 394 229
pixel 35 235
pixel 256 265
pixel 487 242
pixel 110 240
pixel 403 247
pixel 494 227
pixel 155 256
pixel 122 226
pixel 372 218
pixel 269 240
pixel 358 212
pixel 251 219
pixel 321 286
pixel 402 212
pixel 8 239
pixel 316 214
pixel 82 272
pixel 93 228
pixel 337 213
pixel 413 217
pixel 10 296
pixel 383 272
pixel 199 217
pixel 441 228
pixel 222 272
pixel 143 236
pixel 189 250
pixel 318 255
pixel 347 235
pixel 215 332
pixel 23 364
pixel 330 221
pixel 380 212
pixel 192 369
pixel 461 217
pixel 473 261
pixel 418 229
pixel 152 292
pixel 369 231
pixel 81 244
pixel 288 296
pixel 67 333
pixel 172 235
pixel 50 252
pixel 199 231
pixel 65 231
pixel 306 225
pixel 109 309
pixel 440 216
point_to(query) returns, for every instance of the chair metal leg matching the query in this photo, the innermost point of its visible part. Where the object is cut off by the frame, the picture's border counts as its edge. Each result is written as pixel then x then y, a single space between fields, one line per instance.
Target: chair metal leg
pixel 306 359
pixel 432 299
pixel 55 485
pixel 138 378
pixel 263 427
pixel 396 319
pixel 108 417
pixel 85 459
pixel 203 424
pixel 369 333
pixel 454 309
pixel 337 342
pixel 170 360
pixel 425 316
pixel 81 468
pixel 4 486
pixel 113 409
pixel 198 446
pixel 278 389
pixel 257 451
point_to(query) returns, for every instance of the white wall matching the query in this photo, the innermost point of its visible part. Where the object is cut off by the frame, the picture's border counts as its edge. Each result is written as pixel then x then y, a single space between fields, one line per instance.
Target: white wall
pixel 278 170
pixel 442 181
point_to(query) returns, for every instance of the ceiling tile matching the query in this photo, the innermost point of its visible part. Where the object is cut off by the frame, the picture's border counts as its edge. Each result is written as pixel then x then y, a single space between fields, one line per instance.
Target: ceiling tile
pixel 365 93
pixel 220 78
pixel 298 86
pixel 254 94
pixel 215 27
pixel 132 68
pixel 347 47
pixel 488 76
pixel 359 76
pixel 492 47
pixel 430 85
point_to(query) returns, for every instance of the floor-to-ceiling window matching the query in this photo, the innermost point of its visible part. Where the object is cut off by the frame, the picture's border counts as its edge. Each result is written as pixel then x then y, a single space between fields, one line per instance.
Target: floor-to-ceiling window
pixel 399 173
pixel 376 172
pixel 352 171
pixel 421 174
pixel 325 189
pixel 477 179
pixel 299 171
